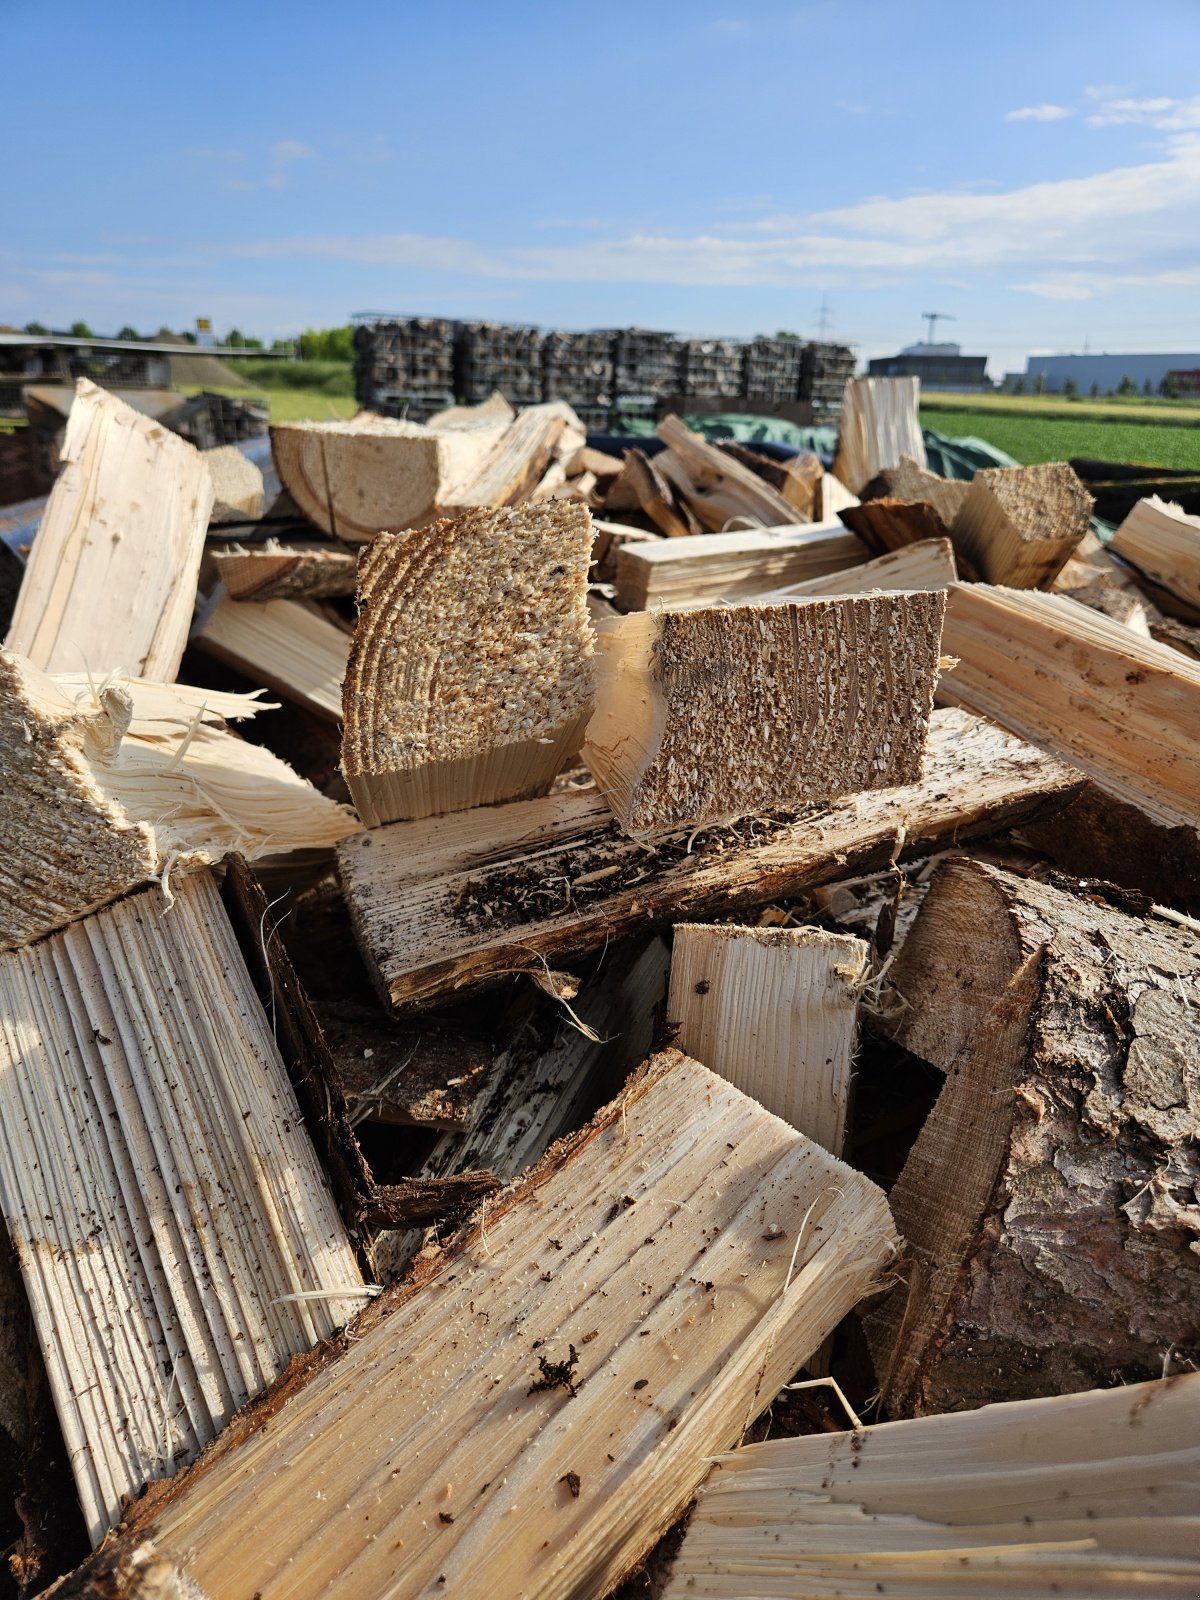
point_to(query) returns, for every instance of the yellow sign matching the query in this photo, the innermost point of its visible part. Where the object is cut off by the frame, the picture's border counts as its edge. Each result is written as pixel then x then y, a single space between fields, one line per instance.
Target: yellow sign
pixel 203 324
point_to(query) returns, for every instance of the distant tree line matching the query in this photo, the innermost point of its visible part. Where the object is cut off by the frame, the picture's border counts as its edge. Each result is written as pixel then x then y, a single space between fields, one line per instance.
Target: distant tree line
pixel 314 344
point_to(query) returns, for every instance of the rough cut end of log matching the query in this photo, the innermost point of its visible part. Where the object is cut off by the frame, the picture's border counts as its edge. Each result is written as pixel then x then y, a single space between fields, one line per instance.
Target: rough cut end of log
pixel 1163 542
pixel 237 485
pixel 1018 525
pixel 286 572
pixel 354 479
pixel 1048 1200
pixel 708 715
pixel 106 785
pixel 470 677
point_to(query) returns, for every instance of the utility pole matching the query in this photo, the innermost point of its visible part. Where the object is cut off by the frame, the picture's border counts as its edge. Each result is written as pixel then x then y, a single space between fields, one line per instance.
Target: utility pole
pixel 824 319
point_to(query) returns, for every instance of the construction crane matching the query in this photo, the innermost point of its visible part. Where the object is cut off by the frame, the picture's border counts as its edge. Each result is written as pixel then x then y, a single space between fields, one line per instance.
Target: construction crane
pixel 933 318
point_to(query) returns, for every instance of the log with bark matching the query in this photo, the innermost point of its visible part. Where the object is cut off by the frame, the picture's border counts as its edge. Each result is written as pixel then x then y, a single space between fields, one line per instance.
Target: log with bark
pixel 543 1446
pixel 470 680
pixel 1018 525
pixel 274 571
pixel 728 566
pixel 287 644
pixel 912 484
pixel 449 903
pixel 879 426
pixel 1049 1202
pixel 727 711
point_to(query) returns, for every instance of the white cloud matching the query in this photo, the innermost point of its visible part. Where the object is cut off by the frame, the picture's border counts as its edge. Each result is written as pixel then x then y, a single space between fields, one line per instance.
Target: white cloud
pixel 286 150
pixel 1157 111
pixel 1042 113
pixel 1055 289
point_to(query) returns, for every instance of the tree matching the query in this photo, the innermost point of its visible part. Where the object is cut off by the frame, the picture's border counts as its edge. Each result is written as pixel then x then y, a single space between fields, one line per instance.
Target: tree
pixel 1094 390
pixel 327 344
pixel 128 333
pixel 1039 383
pixel 1070 389
pixel 38 329
pixel 1127 385
pixel 80 330
pixel 1169 387
pixel 1019 386
pixel 1147 387
pixel 786 333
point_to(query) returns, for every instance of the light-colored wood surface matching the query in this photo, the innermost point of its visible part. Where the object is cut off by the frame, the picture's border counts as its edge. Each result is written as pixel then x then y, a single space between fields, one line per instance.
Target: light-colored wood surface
pixel 880 425
pixel 775 1011
pixel 158 1185
pixel 717 487
pixel 111 580
pixel 1163 542
pixel 282 643
pixel 654 495
pixel 1019 525
pixel 515 463
pixel 1093 1494
pixel 453 902
pixel 928 564
pixel 470 680
pixel 728 566
pixel 286 572
pixel 681 1257
pixel 237 485
pixel 728 711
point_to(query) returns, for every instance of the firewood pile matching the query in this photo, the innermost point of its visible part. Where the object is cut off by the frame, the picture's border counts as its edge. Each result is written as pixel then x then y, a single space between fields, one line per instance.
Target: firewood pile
pixel 552 1055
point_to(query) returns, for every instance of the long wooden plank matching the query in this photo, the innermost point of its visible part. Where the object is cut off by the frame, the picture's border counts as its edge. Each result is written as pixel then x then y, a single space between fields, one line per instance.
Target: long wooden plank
pixel 282 643
pixel 529 1419
pixel 111 579
pixel 928 564
pixel 457 901
pixel 727 566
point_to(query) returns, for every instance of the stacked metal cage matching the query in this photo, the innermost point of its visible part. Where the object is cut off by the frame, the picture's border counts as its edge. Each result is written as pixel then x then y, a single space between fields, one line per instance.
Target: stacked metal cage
pixel 405 366
pixel 823 377
pixel 772 369
pixel 578 368
pixel 646 364
pixel 498 356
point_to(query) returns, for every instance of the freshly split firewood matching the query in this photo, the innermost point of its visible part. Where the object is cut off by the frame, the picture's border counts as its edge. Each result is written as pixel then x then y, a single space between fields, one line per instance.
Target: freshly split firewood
pixel 798 479
pixel 497 1426
pixel 914 484
pixel 1083 686
pixel 610 538
pixel 654 495
pixel 286 572
pixel 454 902
pixel 514 465
pixel 1163 542
pixel 1092 1494
pixel 286 644
pixel 715 486
pixel 107 784
pixel 111 580
pixel 1049 1201
pixel 885 525
pixel 775 1011
pixel 176 1234
pixel 880 425
pixel 927 565
pixel 834 498
pixel 728 566
pixel 470 678
pixel 237 485
pixel 729 711
pixel 1018 525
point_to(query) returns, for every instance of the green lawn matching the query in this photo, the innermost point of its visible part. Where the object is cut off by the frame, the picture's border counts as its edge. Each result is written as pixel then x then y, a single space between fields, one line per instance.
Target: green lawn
pixel 296 405
pixel 1133 408
pixel 1031 439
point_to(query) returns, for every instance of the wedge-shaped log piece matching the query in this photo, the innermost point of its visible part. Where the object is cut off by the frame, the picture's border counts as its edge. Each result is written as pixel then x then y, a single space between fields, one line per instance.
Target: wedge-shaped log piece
pixel 775 1011
pixel 111 579
pixel 513 467
pixel 177 1237
pixel 237 485
pixel 834 497
pixel 892 524
pixel 716 486
pixel 286 572
pixel 723 712
pixel 880 426
pixel 912 484
pixel 1162 541
pixel 1049 1201
pixel 927 565
pixel 501 1427
pixel 105 785
pixel 458 901
pixel 285 644
pixel 655 498
pixel 470 677
pixel 1092 1494
pixel 728 566
pixel 1086 687
pixel 1019 525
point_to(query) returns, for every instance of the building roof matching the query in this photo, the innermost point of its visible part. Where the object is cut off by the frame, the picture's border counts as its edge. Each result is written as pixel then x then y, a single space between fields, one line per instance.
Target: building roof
pixel 48 341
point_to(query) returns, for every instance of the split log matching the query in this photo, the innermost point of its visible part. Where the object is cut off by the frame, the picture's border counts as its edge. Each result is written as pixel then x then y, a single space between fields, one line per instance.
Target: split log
pixel 286 572
pixel 454 902
pixel 928 565
pixel 834 498
pixel 1092 1494
pixel 544 1448
pixel 470 680
pixel 237 485
pixel 282 643
pixel 798 479
pixel 707 715
pixel 773 1010
pixel 611 537
pixel 111 579
pixel 879 426
pixel 491 416
pixel 598 462
pixel 654 496
pixel 889 525
pixel 1018 525
pixel 176 1235
pixel 1049 1201
pixel 108 785
pixel 1163 542
pixel 514 465
pixel 912 483
pixel 715 486
pixel 729 566
pixel 1083 686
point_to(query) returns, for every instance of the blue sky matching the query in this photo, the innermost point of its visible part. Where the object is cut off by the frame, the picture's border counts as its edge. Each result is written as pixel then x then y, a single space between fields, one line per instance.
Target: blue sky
pixel 1032 169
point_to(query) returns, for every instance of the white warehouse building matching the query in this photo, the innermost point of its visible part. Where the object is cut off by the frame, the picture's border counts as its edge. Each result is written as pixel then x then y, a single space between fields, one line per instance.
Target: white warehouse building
pixel 1107 371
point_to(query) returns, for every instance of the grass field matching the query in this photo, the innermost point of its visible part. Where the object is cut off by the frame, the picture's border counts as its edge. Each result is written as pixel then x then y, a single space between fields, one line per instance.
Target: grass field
pixel 1031 438
pixel 296 405
pixel 1134 409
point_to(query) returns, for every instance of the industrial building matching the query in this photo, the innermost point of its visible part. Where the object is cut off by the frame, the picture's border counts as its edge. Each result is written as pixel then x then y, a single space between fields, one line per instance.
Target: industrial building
pixel 1105 371
pixel 939 366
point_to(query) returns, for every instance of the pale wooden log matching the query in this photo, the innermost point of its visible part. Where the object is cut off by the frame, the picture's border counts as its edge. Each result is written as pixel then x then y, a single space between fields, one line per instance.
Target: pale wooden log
pixel 1018 525
pixel 775 1011
pixel 797 480
pixel 470 680
pixel 107 784
pixel 1163 542
pixel 111 581
pixel 282 643
pixel 728 711
pixel 717 486
pixel 286 572
pixel 655 497
pixel 834 498
pixel 237 485
pixel 514 465
pixel 177 1237
pixel 1084 687
pixel 598 462
pixel 912 483
pixel 1048 1202
pixel 879 426
pixel 455 902
pixel 728 566
pixel 1092 1494
pixel 927 565
pixel 889 524
pixel 576 488
pixel 543 1446
pixel 491 416
pixel 553 479
pixel 610 537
